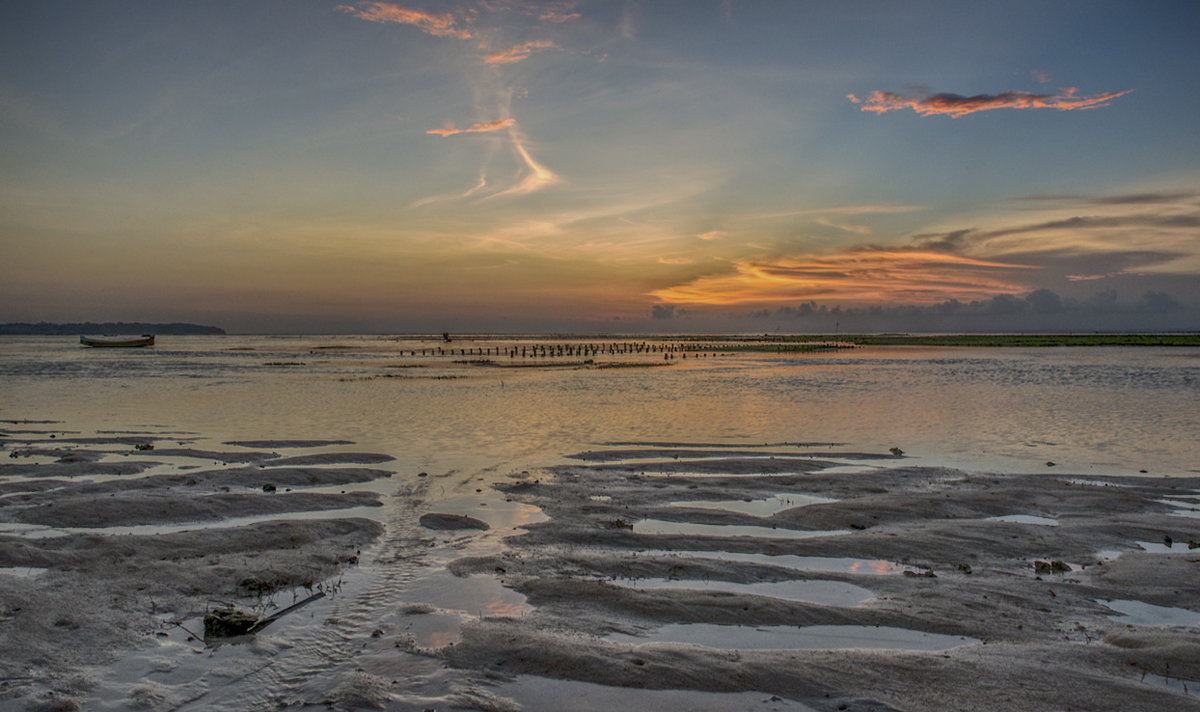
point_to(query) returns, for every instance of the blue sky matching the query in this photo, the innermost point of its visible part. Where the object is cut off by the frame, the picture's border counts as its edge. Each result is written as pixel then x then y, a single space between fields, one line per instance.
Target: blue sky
pixel 590 166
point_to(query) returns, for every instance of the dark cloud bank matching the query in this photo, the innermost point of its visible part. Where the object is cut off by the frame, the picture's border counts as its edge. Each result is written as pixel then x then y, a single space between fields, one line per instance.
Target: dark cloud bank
pixel 1038 311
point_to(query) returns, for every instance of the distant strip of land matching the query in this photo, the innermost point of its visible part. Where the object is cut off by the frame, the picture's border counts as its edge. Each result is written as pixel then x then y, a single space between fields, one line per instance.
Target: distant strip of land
pixel 119 327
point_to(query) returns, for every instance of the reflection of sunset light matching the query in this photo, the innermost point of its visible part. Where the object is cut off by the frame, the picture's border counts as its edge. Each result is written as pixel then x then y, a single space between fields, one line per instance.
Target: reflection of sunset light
pixel 876 567
pixel 882 567
pixel 442 638
pixel 505 609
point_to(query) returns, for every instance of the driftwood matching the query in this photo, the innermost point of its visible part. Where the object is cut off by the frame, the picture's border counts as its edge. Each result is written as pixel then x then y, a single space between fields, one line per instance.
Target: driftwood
pixel 230 622
pixel 279 614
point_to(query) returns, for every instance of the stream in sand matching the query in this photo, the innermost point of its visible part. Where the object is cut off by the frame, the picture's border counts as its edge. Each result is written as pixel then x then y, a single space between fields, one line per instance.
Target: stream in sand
pixel 470 420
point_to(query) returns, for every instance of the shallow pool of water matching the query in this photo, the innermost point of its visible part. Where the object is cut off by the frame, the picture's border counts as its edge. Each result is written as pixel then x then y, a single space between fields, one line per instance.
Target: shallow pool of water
pixel 817 637
pixel 1026 519
pixel 757 507
pixel 659 526
pixel 1139 613
pixel 478 594
pixel 825 593
pixel 836 564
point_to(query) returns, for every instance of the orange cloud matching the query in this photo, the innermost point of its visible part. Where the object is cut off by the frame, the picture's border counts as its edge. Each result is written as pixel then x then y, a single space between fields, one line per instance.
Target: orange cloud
pixel 437 24
pixel 955 105
pixel 864 275
pixel 519 52
pixel 484 127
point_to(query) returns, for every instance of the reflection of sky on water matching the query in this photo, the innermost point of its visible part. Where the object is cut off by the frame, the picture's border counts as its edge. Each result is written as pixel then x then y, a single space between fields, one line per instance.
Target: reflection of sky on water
pixel 492 508
pixel 757 507
pixel 1139 613
pixel 825 593
pixel 817 637
pixel 1091 410
pixel 1026 519
pixel 871 567
pixel 658 526
pixel 478 594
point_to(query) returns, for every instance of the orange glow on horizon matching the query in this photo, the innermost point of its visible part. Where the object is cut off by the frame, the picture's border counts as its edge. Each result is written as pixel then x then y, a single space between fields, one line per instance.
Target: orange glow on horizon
pixel 859 276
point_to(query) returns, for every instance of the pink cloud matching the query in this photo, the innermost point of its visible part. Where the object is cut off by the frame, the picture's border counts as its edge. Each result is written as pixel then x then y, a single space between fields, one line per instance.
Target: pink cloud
pixel 955 105
pixel 1042 76
pixel 519 52
pixel 483 127
pixel 441 24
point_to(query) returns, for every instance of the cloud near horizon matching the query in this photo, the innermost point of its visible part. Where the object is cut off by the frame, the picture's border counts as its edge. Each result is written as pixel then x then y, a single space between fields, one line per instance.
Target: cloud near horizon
pixel 438 24
pixel 956 105
pixel 482 127
pixel 518 53
pixel 860 275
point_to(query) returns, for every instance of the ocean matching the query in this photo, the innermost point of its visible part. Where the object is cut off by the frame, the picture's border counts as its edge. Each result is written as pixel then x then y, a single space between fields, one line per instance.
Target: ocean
pixel 1107 410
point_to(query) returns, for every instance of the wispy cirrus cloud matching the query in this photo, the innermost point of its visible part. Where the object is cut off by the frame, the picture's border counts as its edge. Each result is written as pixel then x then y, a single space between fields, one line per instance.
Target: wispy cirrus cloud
pixel 1147 198
pixel 438 24
pixel 1091 236
pixel 536 177
pixel 482 127
pixel 518 53
pixel 845 226
pixel 956 105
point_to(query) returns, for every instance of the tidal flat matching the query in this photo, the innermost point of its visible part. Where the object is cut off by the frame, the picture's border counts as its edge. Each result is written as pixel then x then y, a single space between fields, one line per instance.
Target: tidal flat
pixel 887 586
pixel 873 528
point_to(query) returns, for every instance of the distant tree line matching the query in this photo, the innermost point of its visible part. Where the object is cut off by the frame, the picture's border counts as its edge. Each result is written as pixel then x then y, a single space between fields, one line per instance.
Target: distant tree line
pixel 109 327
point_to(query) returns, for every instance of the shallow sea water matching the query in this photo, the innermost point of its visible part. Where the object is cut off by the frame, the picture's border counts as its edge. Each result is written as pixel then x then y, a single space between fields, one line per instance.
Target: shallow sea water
pixel 1089 410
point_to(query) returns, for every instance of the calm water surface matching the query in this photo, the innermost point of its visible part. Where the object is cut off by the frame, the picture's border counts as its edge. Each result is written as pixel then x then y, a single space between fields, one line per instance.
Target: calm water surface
pixel 1096 410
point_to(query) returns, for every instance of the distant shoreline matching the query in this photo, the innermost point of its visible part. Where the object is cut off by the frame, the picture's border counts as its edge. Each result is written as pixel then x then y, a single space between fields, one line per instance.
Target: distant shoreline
pixel 693 341
pixel 119 327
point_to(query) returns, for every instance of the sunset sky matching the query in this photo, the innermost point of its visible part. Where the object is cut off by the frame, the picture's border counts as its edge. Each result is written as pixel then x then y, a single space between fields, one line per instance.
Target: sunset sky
pixel 589 166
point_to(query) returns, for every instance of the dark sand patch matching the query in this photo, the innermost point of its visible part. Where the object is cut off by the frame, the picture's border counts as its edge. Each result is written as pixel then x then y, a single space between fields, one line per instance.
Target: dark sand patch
pixel 281 444
pixel 163 508
pixel 725 453
pixel 332 458
pixel 442 522
pixel 76 468
pixel 199 481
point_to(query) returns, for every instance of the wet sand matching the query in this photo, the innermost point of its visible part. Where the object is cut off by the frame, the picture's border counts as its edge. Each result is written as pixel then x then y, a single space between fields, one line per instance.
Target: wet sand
pixel 1022 635
pixel 100 556
pixel 690 576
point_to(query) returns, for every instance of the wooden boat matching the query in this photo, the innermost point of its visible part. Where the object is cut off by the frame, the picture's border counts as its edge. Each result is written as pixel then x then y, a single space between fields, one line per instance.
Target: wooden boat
pixel 143 340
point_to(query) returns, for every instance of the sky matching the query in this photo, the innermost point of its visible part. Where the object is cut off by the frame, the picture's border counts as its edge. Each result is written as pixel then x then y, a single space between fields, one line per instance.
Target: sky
pixel 600 166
